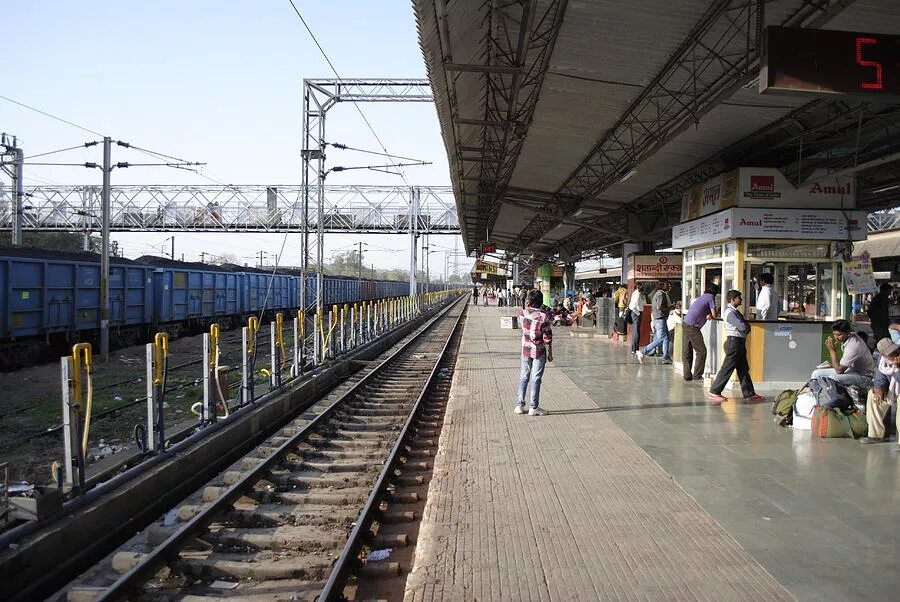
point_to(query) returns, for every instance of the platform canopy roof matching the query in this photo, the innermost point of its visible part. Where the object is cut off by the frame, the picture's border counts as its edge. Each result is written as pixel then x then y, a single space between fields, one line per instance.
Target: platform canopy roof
pixel 573 126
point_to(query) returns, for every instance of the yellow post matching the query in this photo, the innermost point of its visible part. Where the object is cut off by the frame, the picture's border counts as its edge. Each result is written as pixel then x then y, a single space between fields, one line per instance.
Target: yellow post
pixel 279 337
pixel 82 353
pixel 252 327
pixel 161 347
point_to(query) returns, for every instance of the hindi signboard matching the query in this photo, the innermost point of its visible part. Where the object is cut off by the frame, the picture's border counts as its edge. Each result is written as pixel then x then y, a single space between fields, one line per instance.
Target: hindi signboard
pixel 655 266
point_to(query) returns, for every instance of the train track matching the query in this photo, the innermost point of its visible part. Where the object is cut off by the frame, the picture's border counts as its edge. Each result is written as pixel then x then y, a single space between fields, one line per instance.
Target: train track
pixel 276 524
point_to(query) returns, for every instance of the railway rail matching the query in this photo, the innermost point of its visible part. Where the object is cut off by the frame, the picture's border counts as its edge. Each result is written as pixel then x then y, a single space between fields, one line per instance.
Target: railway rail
pixel 273 524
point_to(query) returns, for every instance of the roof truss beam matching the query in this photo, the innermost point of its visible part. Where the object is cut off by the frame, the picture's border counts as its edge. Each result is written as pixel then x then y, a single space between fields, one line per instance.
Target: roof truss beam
pixel 715 59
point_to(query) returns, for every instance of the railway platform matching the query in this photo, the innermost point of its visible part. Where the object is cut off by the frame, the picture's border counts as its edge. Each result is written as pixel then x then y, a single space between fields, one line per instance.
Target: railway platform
pixel 634 488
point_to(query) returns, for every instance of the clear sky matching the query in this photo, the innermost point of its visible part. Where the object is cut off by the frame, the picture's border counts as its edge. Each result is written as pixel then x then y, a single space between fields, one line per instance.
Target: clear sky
pixel 217 82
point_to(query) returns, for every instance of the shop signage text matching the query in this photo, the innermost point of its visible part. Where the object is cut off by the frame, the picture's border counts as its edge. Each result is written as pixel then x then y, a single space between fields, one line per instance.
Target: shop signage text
pixel 768 188
pixel 750 222
pixel 654 267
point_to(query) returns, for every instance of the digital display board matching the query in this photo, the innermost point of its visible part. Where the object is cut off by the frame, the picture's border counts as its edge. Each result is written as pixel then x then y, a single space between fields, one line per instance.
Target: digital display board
pixel 820 61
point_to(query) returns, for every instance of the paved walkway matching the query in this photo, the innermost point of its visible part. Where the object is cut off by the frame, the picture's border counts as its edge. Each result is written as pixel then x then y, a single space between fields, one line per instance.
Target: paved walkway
pixel 565 506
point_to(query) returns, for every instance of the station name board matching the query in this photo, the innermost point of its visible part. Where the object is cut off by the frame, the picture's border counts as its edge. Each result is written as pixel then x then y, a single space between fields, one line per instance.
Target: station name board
pixel 654 267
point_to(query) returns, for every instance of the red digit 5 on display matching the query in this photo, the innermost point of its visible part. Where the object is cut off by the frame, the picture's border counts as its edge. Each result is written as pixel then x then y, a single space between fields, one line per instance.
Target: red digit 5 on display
pixel 877 82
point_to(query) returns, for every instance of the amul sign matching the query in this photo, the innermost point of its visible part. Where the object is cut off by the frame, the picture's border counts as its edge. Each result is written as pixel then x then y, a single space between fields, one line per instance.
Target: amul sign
pixel 654 267
pixel 767 188
pixel 762 187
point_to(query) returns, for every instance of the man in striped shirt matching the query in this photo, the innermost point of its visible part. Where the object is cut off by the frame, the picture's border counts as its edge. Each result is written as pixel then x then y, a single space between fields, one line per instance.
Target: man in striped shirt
pixel 537 350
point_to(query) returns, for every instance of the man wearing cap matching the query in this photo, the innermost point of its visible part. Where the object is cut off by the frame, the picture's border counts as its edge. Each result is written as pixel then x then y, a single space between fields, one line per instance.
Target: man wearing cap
pixel 884 391
pixel 856 365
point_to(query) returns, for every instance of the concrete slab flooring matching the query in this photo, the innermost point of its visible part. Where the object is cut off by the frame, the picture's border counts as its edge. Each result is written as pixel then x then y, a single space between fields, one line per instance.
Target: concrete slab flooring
pixel 633 488
pixel 821 515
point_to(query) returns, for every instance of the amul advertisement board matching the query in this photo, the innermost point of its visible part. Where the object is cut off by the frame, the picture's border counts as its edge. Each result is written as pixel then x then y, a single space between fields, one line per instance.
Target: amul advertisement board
pixel 754 222
pixel 767 187
pixel 654 267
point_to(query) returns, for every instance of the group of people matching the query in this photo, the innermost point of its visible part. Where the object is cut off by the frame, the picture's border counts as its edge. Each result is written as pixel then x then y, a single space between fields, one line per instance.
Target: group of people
pixel 665 316
pixel 503 296
pixel 851 363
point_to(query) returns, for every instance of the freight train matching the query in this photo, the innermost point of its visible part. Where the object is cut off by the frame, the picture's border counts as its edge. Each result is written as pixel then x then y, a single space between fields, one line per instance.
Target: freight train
pixel 50 300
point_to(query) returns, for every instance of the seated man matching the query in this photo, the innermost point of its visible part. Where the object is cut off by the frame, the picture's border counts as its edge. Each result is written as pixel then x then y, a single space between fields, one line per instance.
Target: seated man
pixel 856 366
pixel 560 316
pixel 588 311
pixel 884 391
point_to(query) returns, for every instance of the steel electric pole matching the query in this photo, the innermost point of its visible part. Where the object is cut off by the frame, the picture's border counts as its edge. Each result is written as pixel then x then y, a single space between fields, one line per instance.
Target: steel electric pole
pixel 11 147
pixel 104 250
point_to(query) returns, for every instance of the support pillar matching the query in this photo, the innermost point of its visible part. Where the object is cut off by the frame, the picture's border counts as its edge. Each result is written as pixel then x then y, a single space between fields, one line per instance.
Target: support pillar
pixel 545 272
pixel 627 249
pixel 569 277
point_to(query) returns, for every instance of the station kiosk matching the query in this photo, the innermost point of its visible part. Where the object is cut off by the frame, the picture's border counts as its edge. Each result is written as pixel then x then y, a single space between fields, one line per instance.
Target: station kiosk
pixel 645 270
pixel 752 220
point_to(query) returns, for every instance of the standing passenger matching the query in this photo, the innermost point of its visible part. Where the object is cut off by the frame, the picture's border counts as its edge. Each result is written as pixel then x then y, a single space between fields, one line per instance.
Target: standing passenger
pixel 620 298
pixel 636 306
pixel 537 350
pixel 736 331
pixel 879 310
pixel 702 309
pixel 475 295
pixel 659 313
pixel 766 302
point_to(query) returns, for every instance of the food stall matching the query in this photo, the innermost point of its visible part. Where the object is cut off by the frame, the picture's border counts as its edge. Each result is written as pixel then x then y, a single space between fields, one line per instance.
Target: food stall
pixel 646 270
pixel 748 221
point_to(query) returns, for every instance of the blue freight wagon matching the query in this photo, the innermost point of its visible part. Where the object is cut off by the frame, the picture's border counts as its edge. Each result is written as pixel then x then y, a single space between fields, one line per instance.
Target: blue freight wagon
pixel 264 292
pixel 51 299
pixel 47 303
pixel 188 298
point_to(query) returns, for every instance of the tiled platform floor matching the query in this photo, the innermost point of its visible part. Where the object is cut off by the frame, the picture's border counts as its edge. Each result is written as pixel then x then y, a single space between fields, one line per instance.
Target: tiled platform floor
pixel 634 488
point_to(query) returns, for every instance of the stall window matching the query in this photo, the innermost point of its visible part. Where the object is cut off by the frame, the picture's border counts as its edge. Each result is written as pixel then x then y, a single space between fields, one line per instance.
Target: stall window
pixel 698 285
pixel 730 249
pixel 705 253
pixel 825 280
pixel 788 251
pixel 800 289
pixel 727 276
pixel 689 294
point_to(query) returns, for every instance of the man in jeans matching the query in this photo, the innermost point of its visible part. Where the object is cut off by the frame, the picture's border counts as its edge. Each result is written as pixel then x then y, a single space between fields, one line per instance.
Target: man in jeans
pixel 736 331
pixel 659 312
pixel 636 306
pixel 856 366
pixel 703 308
pixel 537 350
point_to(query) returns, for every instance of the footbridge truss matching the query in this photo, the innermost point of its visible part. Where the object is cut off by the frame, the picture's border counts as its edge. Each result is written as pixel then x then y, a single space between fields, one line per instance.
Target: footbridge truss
pixel 246 208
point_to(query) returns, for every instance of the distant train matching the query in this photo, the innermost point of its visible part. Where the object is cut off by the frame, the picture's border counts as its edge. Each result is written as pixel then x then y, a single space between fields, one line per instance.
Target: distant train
pixel 50 299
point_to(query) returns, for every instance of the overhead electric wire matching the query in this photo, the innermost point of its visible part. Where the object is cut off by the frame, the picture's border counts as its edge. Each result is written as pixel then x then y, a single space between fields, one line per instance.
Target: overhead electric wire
pixel 340 146
pixel 340 79
pixel 62 150
pixel 87 164
pixel 147 151
pixel 66 121
pixel 340 168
